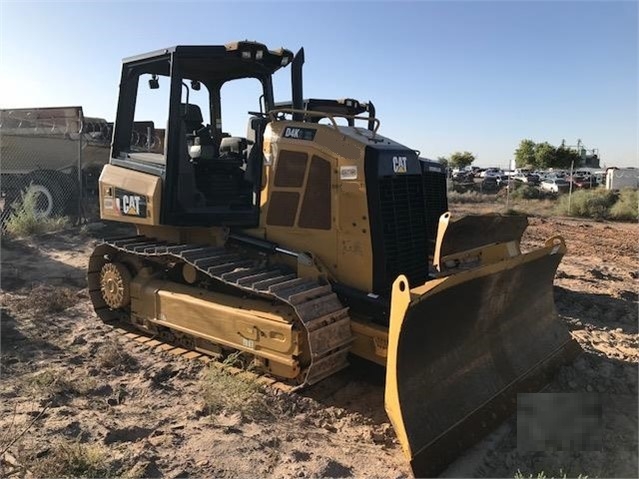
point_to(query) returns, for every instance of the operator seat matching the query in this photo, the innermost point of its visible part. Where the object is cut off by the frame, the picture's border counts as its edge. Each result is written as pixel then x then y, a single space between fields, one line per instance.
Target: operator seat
pixel 200 146
pixel 192 117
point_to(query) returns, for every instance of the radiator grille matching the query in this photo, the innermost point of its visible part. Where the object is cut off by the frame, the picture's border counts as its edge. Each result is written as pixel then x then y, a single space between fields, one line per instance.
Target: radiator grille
pixel 403 218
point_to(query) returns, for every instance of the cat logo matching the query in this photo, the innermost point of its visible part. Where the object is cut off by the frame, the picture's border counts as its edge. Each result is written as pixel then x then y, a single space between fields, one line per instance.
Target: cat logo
pixel 399 164
pixel 129 205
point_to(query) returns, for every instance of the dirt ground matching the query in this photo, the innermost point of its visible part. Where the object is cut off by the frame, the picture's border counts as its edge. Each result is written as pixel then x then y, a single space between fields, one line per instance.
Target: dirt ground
pixel 94 403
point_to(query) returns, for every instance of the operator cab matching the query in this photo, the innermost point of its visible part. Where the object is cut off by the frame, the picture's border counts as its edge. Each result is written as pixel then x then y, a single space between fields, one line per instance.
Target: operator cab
pixel 209 177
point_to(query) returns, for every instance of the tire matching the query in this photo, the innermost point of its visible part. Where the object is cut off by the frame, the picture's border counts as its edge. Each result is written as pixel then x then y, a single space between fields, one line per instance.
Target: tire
pixel 52 194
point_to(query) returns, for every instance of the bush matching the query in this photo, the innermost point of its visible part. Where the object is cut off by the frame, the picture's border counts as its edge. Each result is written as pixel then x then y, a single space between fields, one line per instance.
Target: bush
pixel 236 394
pixel 588 203
pixel 627 206
pixel 526 192
pixel 45 299
pixel 468 197
pixel 25 220
pixel 71 459
pixel 111 355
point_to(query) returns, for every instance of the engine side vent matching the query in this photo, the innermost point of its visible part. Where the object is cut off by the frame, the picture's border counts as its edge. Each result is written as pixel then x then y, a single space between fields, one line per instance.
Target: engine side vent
pixel 316 208
pixel 282 208
pixel 290 169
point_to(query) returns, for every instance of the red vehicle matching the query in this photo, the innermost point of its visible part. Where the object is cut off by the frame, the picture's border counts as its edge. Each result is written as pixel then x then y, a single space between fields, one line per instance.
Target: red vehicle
pixel 583 182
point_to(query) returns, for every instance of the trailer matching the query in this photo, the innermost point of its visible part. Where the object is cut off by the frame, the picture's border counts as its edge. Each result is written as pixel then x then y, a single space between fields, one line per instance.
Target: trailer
pixel 56 153
pixel 619 178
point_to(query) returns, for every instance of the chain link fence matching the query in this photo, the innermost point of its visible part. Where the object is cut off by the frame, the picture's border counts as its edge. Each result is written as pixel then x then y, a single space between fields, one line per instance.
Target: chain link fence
pixel 51 159
pixel 53 156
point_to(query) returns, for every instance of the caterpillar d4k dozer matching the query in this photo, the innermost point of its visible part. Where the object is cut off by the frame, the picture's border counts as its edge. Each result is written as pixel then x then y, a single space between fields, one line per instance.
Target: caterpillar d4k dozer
pixel 311 239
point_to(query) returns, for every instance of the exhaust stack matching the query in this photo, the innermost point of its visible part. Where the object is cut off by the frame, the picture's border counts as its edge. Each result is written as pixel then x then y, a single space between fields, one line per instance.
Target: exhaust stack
pixel 296 84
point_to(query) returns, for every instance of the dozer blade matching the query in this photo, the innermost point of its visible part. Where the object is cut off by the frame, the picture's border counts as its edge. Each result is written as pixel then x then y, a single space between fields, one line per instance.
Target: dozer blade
pixel 461 347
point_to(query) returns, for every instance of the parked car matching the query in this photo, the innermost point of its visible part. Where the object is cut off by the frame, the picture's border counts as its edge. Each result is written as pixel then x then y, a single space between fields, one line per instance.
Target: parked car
pixel 583 182
pixel 490 172
pixel 555 185
pixel 489 183
pixel 528 178
pixel 463 176
pixel 502 180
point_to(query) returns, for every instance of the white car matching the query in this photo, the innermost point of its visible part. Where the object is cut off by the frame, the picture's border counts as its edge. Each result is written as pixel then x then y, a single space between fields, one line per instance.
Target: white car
pixel 555 185
pixel 490 173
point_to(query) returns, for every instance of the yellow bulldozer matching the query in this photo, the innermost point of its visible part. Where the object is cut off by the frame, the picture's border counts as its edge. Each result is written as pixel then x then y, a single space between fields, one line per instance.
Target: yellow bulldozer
pixel 314 238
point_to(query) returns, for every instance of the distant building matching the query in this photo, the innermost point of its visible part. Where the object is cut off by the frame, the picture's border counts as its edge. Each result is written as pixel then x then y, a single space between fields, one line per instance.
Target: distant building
pixel 589 158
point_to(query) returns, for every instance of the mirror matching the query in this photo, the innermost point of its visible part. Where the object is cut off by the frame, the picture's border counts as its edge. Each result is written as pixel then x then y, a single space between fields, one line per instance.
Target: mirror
pixel 154 84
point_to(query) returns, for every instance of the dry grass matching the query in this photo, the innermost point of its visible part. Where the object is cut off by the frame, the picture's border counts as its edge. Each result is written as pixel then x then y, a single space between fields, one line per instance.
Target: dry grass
pixel 69 459
pixel 44 299
pixel 470 197
pixel 111 355
pixel 53 382
pixel 600 203
pixel 627 206
pixel 24 220
pixel 594 204
pixel 476 203
pixel 235 394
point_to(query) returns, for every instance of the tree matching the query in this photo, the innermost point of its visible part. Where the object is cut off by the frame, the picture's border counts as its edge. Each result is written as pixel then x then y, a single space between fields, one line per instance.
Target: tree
pixel 565 156
pixel 545 155
pixel 461 160
pixel 525 154
pixel 443 160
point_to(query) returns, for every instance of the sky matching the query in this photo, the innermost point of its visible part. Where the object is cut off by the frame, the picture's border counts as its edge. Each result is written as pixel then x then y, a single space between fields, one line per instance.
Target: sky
pixel 444 76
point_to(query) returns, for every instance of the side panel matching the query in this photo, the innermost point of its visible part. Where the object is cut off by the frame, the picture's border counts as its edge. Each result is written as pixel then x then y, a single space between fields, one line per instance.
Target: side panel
pixel 343 242
pixel 129 196
pixel 248 325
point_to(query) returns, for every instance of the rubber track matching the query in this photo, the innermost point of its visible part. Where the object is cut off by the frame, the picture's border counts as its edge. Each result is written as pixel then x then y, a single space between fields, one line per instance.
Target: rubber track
pixel 319 311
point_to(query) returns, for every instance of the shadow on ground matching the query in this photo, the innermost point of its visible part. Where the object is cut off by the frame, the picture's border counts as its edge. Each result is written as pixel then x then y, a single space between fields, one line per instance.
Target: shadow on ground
pixel 599 309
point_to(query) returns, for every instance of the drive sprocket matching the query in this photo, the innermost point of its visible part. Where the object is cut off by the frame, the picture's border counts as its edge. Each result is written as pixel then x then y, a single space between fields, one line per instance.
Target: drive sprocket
pixel 115 285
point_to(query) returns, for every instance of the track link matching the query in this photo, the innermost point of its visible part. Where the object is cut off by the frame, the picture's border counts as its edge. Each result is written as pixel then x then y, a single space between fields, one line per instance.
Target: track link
pixel 319 311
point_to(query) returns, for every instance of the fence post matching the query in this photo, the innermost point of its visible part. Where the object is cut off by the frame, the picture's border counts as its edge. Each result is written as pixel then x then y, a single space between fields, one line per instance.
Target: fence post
pixel 572 164
pixel 80 196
